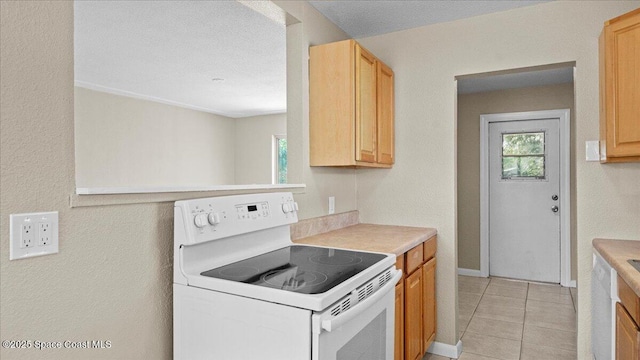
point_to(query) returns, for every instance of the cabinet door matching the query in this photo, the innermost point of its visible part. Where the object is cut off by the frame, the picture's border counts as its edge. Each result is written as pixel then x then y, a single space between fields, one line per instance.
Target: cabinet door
pixel 413 316
pixel 332 135
pixel 385 114
pixel 429 302
pixel 620 66
pixel 399 331
pixel 627 336
pixel 365 105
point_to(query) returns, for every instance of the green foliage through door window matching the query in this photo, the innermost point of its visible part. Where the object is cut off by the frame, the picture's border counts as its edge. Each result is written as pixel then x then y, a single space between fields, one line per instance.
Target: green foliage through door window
pixel 523 155
pixel 281 160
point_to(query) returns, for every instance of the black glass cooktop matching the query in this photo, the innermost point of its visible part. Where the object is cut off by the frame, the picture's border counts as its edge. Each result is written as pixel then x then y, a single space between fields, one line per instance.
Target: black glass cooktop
pixel 298 268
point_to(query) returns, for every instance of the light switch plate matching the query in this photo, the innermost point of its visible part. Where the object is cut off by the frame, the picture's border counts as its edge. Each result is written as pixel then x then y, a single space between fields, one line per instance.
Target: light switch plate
pixel 33 234
pixel 593 150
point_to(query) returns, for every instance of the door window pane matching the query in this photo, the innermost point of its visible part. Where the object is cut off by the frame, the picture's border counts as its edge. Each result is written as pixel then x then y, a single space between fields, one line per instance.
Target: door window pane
pixel 523 155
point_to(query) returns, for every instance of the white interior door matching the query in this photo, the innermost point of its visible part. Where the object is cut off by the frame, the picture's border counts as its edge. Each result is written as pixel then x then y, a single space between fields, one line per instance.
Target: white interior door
pixel 524 199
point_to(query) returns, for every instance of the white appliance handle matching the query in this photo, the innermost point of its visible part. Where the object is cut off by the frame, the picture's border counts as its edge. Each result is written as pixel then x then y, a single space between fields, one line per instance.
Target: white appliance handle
pixel 338 321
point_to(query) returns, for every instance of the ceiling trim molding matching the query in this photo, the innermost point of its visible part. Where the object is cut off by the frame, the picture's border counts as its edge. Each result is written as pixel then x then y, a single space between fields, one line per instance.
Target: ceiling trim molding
pixel 130 94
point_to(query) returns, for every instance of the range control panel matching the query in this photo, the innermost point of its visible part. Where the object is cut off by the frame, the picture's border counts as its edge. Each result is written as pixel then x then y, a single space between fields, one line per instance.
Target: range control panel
pixel 218 217
pixel 252 211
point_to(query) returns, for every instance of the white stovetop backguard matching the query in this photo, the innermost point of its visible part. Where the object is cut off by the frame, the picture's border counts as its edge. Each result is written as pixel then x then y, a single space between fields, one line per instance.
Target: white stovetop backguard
pixel 213 232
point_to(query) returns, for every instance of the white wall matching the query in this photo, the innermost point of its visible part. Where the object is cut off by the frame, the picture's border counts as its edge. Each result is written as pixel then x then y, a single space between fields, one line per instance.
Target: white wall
pixel 313 29
pixel 254 145
pixel 127 142
pixel 112 278
pixel 421 187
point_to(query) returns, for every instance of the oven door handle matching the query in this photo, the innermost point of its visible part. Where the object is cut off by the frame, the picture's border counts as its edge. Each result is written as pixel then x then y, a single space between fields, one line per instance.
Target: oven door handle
pixel 338 321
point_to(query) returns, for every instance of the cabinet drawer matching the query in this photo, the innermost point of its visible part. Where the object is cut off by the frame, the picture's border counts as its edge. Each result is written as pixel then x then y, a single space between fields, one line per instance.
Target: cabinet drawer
pixel 629 299
pixel 414 258
pixel 430 248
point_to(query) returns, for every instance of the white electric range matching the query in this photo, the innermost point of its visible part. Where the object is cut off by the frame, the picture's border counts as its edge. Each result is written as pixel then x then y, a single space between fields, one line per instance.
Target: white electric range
pixel 243 290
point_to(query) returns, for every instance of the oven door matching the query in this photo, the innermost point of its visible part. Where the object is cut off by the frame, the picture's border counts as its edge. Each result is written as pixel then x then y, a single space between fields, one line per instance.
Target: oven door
pixel 364 331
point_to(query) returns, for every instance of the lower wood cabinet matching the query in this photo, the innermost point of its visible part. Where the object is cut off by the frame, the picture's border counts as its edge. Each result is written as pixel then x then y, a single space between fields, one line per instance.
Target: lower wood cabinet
pixel 627 323
pixel 429 303
pixel 627 335
pixel 399 330
pixel 417 320
pixel 413 316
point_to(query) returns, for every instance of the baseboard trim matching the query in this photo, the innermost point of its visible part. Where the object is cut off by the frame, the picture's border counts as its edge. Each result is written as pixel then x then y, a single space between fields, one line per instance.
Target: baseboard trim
pixel 469 272
pixel 446 350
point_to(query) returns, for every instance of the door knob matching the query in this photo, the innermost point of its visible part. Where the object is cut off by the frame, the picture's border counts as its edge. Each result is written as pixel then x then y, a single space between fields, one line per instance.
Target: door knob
pixel 554 197
pixel 554 209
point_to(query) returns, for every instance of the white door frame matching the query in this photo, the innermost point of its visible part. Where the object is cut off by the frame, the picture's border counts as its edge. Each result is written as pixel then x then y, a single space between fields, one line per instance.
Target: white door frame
pixel 565 185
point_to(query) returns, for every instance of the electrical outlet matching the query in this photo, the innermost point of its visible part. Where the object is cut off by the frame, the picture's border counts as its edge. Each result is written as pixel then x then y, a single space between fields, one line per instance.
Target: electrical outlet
pixel 33 234
pixel 27 235
pixel 332 204
pixel 44 233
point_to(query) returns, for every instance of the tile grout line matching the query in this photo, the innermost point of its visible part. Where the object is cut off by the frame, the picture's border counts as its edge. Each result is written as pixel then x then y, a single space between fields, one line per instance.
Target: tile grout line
pixel 573 301
pixel 474 313
pixel 476 307
pixel 524 320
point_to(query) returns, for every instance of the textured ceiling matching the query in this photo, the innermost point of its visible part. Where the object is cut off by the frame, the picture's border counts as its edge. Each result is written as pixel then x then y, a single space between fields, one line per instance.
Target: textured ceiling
pixel 362 19
pixel 170 51
pixel 516 80
pixel 368 18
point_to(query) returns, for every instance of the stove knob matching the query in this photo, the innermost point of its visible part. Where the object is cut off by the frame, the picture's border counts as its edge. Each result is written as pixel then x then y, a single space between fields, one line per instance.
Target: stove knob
pixel 214 218
pixel 286 208
pixel 201 220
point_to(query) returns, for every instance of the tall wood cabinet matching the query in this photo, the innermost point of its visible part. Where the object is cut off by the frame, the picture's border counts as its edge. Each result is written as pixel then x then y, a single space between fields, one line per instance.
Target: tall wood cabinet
pixel 351 99
pixel 417 322
pixel 627 320
pixel 620 89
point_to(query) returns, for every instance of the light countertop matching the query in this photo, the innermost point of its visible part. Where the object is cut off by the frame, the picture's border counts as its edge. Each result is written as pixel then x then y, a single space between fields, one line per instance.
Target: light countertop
pixel 379 238
pixel 616 253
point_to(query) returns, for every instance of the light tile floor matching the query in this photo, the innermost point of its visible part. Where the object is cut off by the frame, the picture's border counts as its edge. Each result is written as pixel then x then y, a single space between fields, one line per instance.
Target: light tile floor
pixel 514 320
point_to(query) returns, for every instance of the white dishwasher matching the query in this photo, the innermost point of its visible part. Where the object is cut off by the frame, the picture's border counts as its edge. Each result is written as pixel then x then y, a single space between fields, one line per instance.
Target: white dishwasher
pixel 604 295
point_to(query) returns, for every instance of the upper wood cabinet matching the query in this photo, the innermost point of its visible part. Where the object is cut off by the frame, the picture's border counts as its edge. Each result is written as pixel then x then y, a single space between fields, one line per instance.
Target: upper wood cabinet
pixel 351 101
pixel 620 89
pixel 385 113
